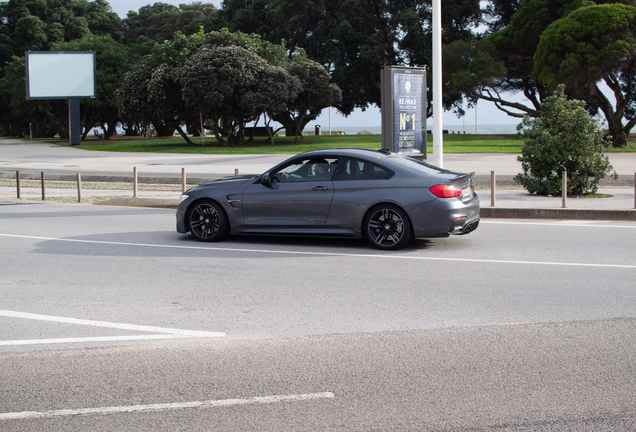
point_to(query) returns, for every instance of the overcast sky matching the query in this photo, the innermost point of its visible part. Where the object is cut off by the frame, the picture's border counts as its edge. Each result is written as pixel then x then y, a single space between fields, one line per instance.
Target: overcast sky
pixel 487 113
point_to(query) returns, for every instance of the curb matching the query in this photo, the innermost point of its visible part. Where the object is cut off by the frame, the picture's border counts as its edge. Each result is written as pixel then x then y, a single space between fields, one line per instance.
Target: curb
pixel 557 213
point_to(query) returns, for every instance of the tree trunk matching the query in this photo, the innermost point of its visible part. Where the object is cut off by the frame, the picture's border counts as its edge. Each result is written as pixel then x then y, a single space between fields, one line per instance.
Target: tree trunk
pixel 184 135
pixel 217 133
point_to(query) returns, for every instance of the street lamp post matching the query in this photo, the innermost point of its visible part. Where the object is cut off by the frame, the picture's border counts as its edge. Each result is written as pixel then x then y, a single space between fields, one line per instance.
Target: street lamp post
pixel 438 144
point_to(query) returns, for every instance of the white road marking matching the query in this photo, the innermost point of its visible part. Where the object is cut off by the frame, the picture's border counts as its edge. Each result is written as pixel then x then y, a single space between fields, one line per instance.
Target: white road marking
pixel 88 339
pixel 165 333
pixel 384 256
pixel 163 407
pixel 133 327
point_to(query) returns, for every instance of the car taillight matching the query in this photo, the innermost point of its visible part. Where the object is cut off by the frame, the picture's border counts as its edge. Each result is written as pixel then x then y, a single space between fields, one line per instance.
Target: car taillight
pixel 446 191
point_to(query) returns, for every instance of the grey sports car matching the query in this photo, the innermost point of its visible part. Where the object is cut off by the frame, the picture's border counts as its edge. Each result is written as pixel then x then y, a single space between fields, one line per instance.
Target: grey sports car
pixel 374 194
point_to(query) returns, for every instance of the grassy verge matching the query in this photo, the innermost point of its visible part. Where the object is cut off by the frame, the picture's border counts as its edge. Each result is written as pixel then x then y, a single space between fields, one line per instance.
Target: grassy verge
pixel 453 143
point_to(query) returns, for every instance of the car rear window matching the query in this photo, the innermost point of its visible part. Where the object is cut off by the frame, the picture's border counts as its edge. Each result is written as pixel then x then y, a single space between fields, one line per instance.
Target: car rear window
pixel 357 169
pixel 416 165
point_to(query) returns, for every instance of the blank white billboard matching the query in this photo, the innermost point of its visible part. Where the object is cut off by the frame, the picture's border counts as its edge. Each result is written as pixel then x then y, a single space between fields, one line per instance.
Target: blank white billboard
pixel 60 75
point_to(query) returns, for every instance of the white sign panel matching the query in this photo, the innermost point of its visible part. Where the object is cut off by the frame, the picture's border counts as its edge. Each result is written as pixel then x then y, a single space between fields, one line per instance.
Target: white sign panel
pixel 60 75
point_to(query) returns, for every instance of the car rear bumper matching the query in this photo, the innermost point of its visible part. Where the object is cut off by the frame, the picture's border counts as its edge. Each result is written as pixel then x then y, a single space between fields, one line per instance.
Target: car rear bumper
pixel 465 228
pixel 446 216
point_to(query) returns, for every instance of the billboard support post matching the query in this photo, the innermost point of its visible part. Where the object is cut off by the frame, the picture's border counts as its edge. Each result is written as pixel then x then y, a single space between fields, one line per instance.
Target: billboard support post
pixel 74 123
pixel 404 108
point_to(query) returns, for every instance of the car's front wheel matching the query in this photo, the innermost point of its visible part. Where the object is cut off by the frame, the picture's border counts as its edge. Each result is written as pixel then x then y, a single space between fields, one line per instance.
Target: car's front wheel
pixel 387 227
pixel 207 221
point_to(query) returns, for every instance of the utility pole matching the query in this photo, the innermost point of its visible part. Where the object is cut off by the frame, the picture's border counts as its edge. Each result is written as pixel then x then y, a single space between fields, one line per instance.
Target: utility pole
pixel 438 143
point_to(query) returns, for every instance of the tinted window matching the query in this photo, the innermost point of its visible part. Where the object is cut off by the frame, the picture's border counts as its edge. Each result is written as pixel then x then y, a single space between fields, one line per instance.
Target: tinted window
pixel 357 169
pixel 314 169
pixel 416 165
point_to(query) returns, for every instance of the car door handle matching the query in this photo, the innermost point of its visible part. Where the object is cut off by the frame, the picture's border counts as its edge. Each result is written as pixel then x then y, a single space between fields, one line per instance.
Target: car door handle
pixel 319 188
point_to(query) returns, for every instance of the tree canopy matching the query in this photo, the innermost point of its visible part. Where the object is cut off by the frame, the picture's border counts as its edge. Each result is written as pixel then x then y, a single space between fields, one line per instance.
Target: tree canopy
pixel 354 39
pixel 225 79
pixel 592 44
pixel 331 50
pixel 541 37
pixel 158 22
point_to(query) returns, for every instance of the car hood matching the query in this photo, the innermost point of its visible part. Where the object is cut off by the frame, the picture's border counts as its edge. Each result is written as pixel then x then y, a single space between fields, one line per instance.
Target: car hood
pixel 226 181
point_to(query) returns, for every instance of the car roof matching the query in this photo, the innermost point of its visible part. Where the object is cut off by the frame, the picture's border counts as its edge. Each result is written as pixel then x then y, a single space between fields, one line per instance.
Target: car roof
pixel 382 155
pixel 353 152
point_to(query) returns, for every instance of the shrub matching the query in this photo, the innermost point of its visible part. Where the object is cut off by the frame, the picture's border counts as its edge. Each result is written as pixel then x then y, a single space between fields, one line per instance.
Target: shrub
pixel 563 137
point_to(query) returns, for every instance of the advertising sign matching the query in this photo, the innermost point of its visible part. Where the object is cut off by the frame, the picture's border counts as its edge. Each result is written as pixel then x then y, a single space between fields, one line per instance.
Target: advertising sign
pixel 403 91
pixel 408 112
pixel 60 75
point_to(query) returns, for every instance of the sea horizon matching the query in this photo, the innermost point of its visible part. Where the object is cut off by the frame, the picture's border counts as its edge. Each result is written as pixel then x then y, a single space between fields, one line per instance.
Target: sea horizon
pixel 495 129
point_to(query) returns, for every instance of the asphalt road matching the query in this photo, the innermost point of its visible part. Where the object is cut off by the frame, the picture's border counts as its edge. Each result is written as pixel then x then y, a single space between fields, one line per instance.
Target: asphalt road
pixel 113 321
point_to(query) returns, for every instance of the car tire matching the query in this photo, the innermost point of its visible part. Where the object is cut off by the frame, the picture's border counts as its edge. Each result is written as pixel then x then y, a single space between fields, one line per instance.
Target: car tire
pixel 207 221
pixel 387 227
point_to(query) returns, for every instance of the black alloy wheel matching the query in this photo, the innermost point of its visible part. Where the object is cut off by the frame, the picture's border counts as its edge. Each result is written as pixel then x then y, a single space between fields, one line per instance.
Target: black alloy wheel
pixel 207 221
pixel 387 227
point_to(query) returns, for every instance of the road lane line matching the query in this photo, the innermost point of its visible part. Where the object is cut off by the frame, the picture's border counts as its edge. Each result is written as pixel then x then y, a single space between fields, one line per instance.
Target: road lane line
pixel 112 325
pixel 385 256
pixel 163 407
pixel 88 339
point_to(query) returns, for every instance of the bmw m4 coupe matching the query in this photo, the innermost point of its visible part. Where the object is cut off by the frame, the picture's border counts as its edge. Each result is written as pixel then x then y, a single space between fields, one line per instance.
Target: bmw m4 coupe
pixel 381 196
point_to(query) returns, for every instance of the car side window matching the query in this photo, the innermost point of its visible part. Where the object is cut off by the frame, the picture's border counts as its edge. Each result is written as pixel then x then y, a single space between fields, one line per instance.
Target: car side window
pixel 310 169
pixel 357 169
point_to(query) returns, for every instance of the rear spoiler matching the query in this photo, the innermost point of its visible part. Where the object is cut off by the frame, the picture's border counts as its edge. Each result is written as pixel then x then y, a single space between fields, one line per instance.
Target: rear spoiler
pixel 463 179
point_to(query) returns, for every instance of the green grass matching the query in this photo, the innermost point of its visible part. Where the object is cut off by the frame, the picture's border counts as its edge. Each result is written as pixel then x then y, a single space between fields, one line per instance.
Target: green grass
pixel 453 143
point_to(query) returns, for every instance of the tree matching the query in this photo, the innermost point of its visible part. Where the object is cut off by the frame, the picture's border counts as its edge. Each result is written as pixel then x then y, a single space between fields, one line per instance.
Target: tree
pixel 35 25
pixel 250 16
pixel 168 94
pixel 157 23
pixel 232 86
pixel 516 48
pixel 498 13
pixel 181 47
pixel 133 99
pixel 19 117
pixel 352 39
pixel 40 25
pixel 512 47
pixel 563 137
pixel 316 93
pixel 471 69
pixel 113 61
pixel 592 44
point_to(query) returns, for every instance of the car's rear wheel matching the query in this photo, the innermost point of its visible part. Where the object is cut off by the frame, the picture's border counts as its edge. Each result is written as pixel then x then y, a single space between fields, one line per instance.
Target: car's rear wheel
pixel 387 227
pixel 207 221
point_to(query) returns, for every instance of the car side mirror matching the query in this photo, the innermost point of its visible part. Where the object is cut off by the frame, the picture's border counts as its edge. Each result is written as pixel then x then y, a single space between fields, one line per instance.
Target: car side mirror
pixel 266 178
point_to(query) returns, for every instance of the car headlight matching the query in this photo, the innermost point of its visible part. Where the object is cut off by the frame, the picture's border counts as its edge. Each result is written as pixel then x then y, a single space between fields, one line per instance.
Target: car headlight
pixel 183 197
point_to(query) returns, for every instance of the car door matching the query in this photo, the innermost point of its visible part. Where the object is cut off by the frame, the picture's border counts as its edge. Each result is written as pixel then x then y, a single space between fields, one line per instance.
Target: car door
pixel 358 183
pixel 295 199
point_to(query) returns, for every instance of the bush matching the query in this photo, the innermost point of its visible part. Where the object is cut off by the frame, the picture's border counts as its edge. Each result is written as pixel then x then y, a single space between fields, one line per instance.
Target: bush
pixel 563 137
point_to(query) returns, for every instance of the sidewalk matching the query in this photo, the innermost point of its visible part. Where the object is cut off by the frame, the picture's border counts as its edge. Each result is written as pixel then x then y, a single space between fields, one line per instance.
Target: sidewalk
pixel 107 179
